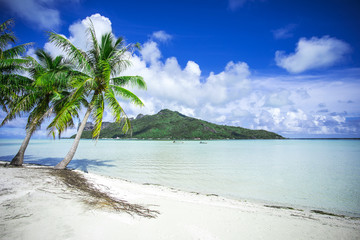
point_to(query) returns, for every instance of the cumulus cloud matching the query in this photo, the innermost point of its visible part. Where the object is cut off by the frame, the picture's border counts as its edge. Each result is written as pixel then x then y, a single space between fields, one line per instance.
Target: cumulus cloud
pixel 161 36
pixel 150 52
pixel 235 97
pixel 181 86
pixel 313 53
pixel 40 13
pixel 78 35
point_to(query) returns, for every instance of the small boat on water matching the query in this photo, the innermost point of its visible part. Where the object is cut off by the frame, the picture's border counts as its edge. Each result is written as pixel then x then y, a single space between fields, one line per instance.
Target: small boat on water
pixel 203 142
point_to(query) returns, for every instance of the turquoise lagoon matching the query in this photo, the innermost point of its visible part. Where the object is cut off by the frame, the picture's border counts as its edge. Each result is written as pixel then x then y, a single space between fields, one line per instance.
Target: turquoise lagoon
pixel 309 174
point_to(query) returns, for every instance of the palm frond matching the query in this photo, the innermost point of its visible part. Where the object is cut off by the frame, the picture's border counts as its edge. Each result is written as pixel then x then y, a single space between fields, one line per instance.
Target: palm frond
pixel 14 83
pixel 38 115
pixel 10 65
pixel 95 49
pixel 119 43
pixel 6 39
pixel 6 25
pixel 66 110
pixel 134 81
pixel 105 71
pixel 119 60
pixel 107 49
pixel 119 66
pixel 127 95
pixel 57 62
pixel 45 58
pixel 22 104
pixel 98 105
pixel 117 111
pixel 6 35
pixel 39 110
pixel 15 51
pixel 74 54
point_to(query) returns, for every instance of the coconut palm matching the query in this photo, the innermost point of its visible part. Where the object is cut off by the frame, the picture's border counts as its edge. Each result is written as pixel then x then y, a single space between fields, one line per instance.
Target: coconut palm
pixel 48 93
pixel 11 82
pixel 101 66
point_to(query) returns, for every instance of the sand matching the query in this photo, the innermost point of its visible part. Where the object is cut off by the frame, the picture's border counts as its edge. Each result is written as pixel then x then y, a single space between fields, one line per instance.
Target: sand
pixel 35 204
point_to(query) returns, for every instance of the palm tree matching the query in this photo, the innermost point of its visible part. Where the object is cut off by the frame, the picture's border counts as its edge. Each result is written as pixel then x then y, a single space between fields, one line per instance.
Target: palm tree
pixel 48 93
pixel 100 66
pixel 11 82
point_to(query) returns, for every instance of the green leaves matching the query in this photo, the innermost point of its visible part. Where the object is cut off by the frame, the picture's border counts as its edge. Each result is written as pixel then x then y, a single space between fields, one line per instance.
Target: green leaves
pixel 127 95
pixel 133 81
pixel 46 93
pixel 66 110
pixel 98 106
pixel 117 110
pixel 15 51
pixel 75 55
pixel 12 84
pixel 96 67
pixel 6 35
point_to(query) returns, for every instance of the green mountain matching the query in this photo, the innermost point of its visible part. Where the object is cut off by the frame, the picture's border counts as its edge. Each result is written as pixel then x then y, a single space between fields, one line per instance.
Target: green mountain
pixel 168 124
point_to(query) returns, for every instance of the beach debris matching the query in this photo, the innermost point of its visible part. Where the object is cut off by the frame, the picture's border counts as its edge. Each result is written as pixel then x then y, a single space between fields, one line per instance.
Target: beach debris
pixel 97 198
pixel 334 215
pixel 283 207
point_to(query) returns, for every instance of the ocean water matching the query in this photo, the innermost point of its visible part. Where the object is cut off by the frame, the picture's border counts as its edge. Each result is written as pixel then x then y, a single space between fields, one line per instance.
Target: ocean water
pixel 310 174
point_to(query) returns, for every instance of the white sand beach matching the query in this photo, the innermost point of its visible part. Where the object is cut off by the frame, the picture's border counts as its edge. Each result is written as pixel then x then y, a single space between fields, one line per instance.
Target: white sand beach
pixel 35 204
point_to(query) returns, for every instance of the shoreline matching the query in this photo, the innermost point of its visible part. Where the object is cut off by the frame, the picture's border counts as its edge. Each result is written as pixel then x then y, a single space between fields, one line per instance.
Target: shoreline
pixel 267 204
pixel 31 198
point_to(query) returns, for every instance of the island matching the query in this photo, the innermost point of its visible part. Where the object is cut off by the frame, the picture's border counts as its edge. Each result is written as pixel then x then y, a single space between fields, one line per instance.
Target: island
pixel 173 125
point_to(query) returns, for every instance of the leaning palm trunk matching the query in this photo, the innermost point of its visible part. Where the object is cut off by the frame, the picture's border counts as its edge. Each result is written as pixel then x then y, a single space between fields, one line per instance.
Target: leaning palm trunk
pixel 19 157
pixel 71 153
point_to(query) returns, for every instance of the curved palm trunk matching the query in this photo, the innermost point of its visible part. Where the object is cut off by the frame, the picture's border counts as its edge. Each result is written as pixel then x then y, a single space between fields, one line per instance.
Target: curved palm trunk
pixel 71 153
pixel 19 157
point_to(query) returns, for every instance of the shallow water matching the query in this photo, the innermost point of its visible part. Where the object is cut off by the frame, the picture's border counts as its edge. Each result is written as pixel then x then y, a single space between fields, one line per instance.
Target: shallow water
pixel 320 174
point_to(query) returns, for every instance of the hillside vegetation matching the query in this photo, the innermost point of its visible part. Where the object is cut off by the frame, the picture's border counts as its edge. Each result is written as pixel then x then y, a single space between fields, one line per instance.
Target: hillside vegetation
pixel 168 124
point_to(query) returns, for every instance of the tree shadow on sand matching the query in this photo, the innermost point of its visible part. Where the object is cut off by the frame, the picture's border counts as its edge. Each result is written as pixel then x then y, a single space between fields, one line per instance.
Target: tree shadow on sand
pixel 80 164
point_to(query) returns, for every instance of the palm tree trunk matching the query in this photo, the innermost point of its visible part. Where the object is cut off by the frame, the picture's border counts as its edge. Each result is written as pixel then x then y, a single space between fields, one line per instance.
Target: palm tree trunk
pixel 71 153
pixel 19 157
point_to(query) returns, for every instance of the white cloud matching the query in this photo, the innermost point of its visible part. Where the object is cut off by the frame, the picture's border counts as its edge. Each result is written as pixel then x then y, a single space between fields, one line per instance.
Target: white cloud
pixel 161 36
pixel 31 52
pixel 279 98
pixel 40 13
pixel 78 35
pixel 175 85
pixel 285 32
pixel 150 52
pixel 235 97
pixel 313 53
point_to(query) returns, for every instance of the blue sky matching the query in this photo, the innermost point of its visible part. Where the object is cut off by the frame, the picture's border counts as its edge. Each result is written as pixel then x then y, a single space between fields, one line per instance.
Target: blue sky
pixel 292 67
